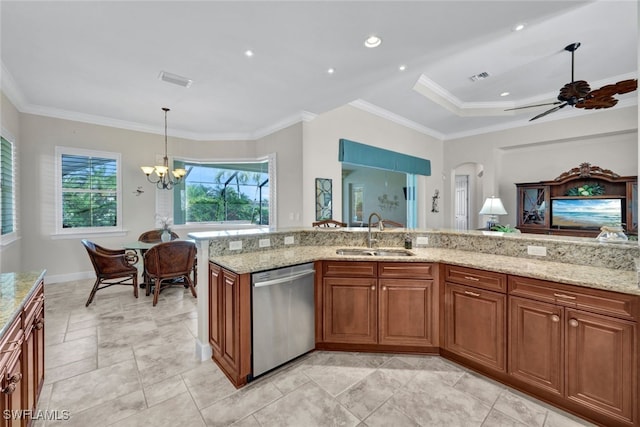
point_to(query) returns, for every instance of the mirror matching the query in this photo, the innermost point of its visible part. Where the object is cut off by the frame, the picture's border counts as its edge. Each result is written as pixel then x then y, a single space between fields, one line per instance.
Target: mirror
pixel 323 199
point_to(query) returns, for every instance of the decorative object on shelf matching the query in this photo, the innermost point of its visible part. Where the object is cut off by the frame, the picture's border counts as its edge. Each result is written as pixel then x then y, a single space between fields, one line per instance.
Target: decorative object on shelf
pixel 385 203
pixel 586 190
pixel 324 195
pixel 434 201
pixel 164 180
pixel 612 234
pixel 585 170
pixel 493 207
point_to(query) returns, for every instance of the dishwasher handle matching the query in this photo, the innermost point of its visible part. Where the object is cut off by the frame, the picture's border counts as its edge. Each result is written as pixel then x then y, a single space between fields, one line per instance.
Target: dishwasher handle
pixel 283 279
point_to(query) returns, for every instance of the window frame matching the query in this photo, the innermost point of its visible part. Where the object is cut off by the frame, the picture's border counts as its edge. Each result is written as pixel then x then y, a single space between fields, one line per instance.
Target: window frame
pixel 12 236
pixel 60 231
pixel 270 159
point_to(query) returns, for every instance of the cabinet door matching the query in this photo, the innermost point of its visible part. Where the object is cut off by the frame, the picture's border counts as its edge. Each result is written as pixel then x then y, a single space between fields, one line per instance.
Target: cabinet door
pixel 535 344
pixel 533 203
pixel 230 320
pixel 406 313
pixel 350 310
pixel 602 363
pixel 475 326
pixel 215 282
pixel 11 383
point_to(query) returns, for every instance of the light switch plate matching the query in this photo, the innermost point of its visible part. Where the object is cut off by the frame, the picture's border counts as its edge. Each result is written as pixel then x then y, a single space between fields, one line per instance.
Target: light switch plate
pixel 289 240
pixel 236 245
pixel 537 250
pixel 422 240
pixel 264 243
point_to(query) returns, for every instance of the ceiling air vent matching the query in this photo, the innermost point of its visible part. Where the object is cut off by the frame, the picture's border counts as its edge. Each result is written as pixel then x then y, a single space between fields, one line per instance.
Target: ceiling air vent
pixel 175 79
pixel 480 76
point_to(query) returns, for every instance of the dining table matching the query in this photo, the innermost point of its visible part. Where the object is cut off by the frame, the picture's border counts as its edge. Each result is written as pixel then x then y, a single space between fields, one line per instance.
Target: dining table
pixel 140 248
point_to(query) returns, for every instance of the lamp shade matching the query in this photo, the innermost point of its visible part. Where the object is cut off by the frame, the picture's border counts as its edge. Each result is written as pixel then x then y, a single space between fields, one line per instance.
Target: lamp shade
pixel 493 206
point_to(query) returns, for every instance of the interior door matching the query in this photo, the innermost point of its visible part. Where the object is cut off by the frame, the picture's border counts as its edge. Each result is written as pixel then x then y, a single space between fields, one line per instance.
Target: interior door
pixel 462 202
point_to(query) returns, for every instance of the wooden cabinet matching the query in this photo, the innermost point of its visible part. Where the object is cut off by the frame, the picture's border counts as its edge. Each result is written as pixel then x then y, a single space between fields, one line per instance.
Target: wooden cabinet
pixel 12 383
pixel 230 322
pixel 535 201
pixel 22 361
pixel 576 344
pixel 33 347
pixel 379 304
pixel 475 306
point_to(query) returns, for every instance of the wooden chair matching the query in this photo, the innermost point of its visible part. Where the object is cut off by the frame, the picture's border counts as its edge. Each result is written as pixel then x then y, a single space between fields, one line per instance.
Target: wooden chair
pixel 112 267
pixel 326 223
pixel 153 236
pixel 167 261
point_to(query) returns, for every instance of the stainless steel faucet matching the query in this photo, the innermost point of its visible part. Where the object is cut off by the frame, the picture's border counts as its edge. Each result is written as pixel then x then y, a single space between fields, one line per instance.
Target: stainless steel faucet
pixel 380 227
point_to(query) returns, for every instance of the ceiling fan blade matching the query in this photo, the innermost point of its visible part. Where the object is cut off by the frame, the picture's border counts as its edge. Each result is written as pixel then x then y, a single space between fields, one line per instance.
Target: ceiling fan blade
pixel 549 111
pixel 535 105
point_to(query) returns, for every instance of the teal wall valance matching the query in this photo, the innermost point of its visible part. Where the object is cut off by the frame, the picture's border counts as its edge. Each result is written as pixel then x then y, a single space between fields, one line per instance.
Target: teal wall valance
pixel 366 155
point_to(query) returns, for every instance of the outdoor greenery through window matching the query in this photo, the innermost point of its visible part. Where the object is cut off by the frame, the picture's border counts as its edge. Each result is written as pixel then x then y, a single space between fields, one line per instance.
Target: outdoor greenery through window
pixel 222 192
pixel 7 187
pixel 89 190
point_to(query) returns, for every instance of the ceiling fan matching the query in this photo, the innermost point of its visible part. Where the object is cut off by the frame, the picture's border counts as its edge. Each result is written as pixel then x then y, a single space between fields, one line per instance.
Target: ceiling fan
pixel 578 93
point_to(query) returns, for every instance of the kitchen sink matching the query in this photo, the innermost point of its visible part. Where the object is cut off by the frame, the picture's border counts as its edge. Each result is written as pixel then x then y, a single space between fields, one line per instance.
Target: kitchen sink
pixel 373 252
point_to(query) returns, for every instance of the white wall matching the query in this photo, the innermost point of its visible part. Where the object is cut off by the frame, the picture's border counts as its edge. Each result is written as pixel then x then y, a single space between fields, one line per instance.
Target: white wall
pixel 320 159
pixel 542 151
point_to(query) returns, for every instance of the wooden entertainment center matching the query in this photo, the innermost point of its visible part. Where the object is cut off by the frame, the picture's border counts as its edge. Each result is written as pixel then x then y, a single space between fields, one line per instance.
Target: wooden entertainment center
pixel 579 187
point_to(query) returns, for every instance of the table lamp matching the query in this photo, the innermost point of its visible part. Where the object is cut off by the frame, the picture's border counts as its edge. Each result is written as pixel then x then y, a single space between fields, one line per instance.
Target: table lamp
pixel 493 207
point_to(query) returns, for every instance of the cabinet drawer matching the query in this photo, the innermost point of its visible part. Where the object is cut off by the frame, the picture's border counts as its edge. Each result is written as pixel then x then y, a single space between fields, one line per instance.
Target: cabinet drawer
pixel 11 341
pixel 478 278
pixel 594 300
pixel 33 306
pixel 349 269
pixel 405 270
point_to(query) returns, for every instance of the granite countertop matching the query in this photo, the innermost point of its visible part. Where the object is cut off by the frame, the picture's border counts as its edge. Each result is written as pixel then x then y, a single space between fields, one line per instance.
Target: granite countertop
pixel 623 281
pixel 15 290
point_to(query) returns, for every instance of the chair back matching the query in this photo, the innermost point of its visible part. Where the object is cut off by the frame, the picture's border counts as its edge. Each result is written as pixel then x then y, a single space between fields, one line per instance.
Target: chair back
pixel 153 236
pixel 329 223
pixel 170 259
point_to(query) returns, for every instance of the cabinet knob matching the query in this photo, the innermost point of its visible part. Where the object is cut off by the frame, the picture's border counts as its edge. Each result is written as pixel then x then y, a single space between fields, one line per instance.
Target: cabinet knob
pixel 10 388
pixel 384 288
pixel 573 323
pixel 373 288
pixel 555 318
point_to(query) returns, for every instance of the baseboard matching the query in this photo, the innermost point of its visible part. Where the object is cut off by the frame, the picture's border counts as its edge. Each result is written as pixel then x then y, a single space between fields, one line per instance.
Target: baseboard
pixel 203 351
pixel 59 278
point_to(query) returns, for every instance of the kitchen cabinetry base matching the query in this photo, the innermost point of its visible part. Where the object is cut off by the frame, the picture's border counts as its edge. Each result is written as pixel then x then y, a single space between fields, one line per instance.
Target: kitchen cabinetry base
pixel 377 348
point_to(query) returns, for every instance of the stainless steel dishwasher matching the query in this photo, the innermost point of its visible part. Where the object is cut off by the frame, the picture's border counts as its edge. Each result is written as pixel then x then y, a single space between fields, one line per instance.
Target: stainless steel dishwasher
pixel 283 316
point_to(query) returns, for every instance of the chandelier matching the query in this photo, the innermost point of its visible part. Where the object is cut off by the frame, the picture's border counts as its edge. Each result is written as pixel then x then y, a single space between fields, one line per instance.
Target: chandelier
pixel 162 179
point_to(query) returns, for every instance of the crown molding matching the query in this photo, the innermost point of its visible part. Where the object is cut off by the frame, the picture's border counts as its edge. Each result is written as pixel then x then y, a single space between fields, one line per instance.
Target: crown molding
pixel 10 88
pixel 386 114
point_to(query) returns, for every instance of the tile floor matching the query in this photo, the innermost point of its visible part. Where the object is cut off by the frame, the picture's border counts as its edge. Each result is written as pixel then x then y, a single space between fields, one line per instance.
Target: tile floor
pixel 122 362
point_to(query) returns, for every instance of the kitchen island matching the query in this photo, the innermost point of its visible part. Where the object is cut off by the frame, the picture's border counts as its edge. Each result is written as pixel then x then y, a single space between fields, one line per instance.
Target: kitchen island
pixel 561 327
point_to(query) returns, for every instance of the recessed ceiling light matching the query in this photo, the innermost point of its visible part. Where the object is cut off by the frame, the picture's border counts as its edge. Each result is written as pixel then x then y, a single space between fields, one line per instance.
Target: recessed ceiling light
pixel 402 67
pixel 331 71
pixel 372 41
pixel 518 27
pixel 505 94
pixel 175 79
pixel 248 53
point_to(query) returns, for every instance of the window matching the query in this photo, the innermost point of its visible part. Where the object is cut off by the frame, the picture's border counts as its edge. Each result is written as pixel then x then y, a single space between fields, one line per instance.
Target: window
pixel 89 196
pixel 223 192
pixel 7 187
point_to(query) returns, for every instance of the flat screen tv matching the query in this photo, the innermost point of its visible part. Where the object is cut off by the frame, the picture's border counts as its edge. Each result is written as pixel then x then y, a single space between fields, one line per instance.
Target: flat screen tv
pixel 586 212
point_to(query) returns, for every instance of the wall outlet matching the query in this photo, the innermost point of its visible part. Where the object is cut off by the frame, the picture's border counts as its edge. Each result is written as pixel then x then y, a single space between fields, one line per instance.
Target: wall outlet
pixel 289 240
pixel 264 243
pixel 537 250
pixel 422 240
pixel 236 245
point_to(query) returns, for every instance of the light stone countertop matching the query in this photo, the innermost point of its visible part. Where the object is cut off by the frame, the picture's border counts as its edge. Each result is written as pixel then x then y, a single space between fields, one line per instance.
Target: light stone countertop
pixel 623 281
pixel 15 289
